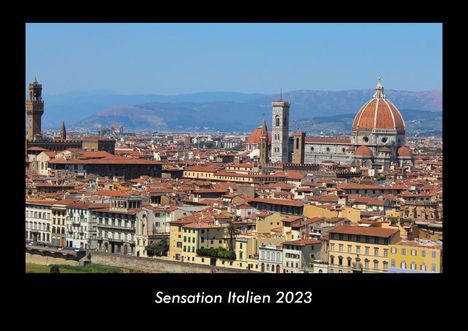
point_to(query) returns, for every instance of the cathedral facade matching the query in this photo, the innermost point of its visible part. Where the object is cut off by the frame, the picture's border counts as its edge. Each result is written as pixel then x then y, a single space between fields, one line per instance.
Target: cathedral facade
pixel 377 140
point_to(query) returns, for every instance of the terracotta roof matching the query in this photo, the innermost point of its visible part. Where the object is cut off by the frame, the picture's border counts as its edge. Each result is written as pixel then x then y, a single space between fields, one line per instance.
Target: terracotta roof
pixel 365 231
pixel 34 148
pixel 328 140
pixel 256 134
pixel 379 113
pixel 363 151
pixel 385 149
pixel 106 160
pixel 283 202
pixel 301 242
pixel 404 151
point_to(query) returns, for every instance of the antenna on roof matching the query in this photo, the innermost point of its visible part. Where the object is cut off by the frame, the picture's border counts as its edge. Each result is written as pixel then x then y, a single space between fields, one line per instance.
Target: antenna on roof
pixel 281 94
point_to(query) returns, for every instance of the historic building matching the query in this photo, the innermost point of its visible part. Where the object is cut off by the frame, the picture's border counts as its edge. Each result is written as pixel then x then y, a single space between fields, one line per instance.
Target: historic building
pixel 116 225
pixel 378 132
pixel 34 138
pixel 34 110
pixel 280 131
pixel 377 141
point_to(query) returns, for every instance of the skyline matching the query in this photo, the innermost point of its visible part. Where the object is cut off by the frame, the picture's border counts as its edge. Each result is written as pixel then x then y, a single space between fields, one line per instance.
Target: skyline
pixel 246 58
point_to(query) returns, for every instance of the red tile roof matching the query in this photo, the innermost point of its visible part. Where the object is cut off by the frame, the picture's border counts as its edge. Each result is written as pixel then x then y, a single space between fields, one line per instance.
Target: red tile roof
pixel 365 231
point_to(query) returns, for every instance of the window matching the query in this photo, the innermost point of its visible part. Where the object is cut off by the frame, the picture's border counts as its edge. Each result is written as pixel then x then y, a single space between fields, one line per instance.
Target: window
pixel 433 267
pixel 367 251
pixel 340 249
pixel 413 252
pixel 434 254
pixel 340 260
pixel 366 264
pixel 393 250
pixel 277 120
pixel 403 251
pixel 423 266
pixel 385 265
pixel 349 248
pixel 376 265
pixel 376 252
pixel 403 265
pixel 385 252
pixel 413 265
pixel 423 253
pixel 393 263
pixel 358 249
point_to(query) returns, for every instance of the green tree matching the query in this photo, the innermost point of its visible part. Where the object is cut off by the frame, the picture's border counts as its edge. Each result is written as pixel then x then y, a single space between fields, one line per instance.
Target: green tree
pixel 233 232
pixel 54 269
pixel 159 248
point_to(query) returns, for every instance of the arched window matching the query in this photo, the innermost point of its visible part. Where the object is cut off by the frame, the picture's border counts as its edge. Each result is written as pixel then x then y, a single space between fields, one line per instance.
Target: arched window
pixel 297 143
pixel 277 120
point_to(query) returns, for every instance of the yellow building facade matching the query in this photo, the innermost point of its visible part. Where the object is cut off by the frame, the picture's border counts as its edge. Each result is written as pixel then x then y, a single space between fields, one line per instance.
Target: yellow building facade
pixel 416 256
pixel 360 249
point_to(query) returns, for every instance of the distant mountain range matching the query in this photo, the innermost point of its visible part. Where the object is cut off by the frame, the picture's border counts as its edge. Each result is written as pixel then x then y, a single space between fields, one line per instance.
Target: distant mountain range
pixel 313 111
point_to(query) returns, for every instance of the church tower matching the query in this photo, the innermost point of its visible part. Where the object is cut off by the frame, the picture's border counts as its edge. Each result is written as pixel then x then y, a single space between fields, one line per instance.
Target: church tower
pixel 63 131
pixel 263 157
pixel 298 147
pixel 280 131
pixel 34 110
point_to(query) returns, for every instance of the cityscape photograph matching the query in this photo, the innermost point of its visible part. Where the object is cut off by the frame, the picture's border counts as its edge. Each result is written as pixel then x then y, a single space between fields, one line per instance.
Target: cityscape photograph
pixel 233 148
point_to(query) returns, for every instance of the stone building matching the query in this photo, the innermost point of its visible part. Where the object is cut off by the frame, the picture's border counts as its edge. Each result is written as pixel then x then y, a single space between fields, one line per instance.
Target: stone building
pixel 116 225
pixel 38 221
pixel 280 131
pixel 34 110
pixel 377 140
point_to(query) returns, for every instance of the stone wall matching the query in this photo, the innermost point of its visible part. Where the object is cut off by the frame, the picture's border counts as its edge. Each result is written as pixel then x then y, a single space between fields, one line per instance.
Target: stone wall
pixel 48 259
pixel 156 265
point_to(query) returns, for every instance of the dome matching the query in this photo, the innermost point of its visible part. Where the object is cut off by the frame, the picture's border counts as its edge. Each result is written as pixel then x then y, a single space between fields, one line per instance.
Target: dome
pixel 363 151
pixel 379 113
pixel 404 152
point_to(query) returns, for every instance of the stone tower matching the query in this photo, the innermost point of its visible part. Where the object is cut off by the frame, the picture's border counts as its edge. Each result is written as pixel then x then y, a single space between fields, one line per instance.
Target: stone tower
pixel 298 147
pixel 34 110
pixel 280 131
pixel 263 157
pixel 63 131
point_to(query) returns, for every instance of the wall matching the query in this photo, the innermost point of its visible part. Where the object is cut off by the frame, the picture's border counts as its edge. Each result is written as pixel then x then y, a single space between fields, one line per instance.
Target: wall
pixel 47 260
pixel 156 265
pixel 312 211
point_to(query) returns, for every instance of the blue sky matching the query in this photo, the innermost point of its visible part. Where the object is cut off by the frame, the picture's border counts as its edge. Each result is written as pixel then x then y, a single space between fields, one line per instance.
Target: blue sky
pixel 252 58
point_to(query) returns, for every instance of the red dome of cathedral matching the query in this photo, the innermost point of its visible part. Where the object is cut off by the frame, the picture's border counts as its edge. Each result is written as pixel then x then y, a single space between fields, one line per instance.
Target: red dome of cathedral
pixel 404 151
pixel 379 113
pixel 363 151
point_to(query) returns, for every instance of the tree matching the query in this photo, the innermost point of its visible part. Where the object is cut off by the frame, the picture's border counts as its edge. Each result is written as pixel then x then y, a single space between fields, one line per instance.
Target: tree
pixel 159 248
pixel 54 269
pixel 233 232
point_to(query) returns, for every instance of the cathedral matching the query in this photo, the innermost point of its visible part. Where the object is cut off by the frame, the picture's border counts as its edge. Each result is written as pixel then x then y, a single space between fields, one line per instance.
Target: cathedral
pixel 377 139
